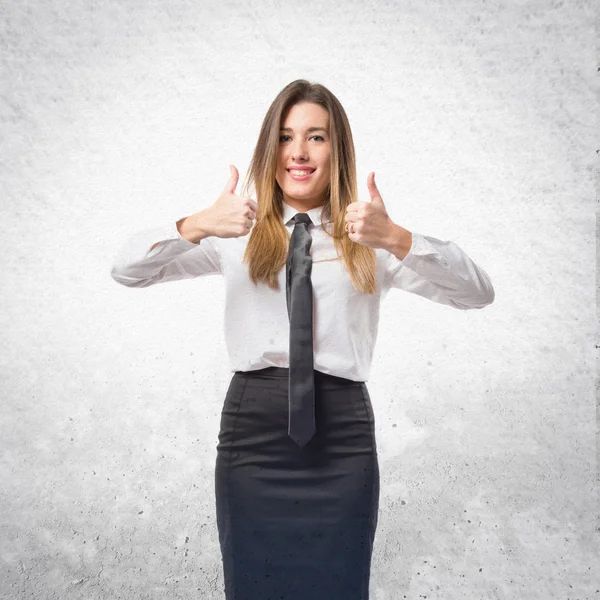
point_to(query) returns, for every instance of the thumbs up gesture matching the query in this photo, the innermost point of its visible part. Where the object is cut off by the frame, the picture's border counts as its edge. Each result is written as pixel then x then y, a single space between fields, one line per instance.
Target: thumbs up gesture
pixel 231 215
pixel 369 224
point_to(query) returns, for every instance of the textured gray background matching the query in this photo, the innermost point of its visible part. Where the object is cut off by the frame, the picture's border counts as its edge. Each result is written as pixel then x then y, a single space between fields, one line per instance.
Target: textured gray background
pixel 478 119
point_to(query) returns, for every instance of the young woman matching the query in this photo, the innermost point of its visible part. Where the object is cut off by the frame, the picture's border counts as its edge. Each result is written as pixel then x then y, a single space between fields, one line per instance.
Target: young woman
pixel 297 522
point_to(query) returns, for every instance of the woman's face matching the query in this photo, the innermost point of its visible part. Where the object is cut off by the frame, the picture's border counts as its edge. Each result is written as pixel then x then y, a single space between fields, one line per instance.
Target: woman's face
pixel 304 143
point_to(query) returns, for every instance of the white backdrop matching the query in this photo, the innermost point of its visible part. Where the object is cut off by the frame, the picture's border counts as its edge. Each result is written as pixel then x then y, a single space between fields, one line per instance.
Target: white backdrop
pixel 478 119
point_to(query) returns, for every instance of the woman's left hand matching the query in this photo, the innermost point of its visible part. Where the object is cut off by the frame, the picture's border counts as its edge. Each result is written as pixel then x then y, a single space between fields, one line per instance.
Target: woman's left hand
pixel 368 222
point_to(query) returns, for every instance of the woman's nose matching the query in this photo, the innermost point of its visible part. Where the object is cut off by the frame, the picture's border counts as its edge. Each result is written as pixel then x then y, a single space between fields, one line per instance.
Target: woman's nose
pixel 299 150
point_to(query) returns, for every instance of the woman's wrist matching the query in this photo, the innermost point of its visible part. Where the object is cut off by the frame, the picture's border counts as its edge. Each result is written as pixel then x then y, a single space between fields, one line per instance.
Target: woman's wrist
pixel 190 228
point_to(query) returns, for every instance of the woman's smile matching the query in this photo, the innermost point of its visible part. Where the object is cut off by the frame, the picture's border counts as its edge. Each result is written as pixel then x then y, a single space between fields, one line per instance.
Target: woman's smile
pixel 298 175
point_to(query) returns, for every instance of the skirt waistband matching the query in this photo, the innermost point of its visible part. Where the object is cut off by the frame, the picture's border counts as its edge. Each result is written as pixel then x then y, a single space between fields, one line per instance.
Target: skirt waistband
pixel 283 373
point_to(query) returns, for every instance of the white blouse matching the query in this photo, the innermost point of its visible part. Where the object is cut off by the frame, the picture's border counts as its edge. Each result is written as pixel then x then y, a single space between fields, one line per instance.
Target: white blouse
pixel 345 320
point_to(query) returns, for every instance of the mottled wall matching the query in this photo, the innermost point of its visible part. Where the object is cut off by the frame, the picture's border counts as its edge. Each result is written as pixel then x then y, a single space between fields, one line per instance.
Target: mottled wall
pixel 478 119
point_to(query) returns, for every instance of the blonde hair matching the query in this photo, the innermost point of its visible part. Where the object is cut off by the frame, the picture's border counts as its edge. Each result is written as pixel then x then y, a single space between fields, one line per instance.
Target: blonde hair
pixel 267 247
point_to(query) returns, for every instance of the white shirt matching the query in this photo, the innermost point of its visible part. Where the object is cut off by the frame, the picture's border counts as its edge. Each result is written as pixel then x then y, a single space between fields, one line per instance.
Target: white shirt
pixel 345 320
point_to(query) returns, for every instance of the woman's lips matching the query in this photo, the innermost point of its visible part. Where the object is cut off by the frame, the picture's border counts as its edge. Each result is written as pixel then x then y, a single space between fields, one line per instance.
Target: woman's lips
pixel 300 177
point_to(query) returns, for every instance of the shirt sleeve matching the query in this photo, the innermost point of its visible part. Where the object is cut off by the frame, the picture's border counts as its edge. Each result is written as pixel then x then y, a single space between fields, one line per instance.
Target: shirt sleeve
pixel 440 271
pixel 172 259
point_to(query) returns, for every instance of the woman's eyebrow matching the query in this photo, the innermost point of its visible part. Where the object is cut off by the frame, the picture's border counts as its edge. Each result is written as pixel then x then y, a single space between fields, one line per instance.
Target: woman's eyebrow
pixel 309 130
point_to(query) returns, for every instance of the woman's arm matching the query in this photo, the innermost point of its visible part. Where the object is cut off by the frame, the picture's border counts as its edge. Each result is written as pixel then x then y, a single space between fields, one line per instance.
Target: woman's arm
pixel 187 230
pixel 183 250
pixel 440 271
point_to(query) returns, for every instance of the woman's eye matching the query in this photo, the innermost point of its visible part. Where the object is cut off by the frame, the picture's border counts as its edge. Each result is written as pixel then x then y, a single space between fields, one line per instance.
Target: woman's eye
pixel 281 137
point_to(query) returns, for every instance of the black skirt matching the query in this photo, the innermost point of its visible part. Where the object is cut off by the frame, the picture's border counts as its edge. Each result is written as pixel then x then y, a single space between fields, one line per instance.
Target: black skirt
pixel 296 523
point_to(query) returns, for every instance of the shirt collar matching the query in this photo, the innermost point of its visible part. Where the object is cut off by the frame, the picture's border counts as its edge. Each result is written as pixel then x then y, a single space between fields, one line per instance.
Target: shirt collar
pixel 313 213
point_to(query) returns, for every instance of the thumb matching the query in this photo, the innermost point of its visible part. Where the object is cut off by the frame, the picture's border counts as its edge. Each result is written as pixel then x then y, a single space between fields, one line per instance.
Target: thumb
pixel 232 181
pixel 373 191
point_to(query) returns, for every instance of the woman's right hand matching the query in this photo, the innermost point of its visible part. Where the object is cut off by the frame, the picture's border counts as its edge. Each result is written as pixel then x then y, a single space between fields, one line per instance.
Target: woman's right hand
pixel 231 215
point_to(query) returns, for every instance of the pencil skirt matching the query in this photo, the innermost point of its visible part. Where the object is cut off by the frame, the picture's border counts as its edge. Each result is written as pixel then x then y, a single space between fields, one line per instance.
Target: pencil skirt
pixel 296 523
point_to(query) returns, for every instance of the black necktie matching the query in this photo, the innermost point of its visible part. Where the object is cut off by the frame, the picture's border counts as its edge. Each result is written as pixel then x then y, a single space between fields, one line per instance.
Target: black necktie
pixel 301 423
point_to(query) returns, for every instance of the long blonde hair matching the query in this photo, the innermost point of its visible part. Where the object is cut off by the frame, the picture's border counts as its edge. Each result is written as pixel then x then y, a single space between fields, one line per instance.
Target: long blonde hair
pixel 267 247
